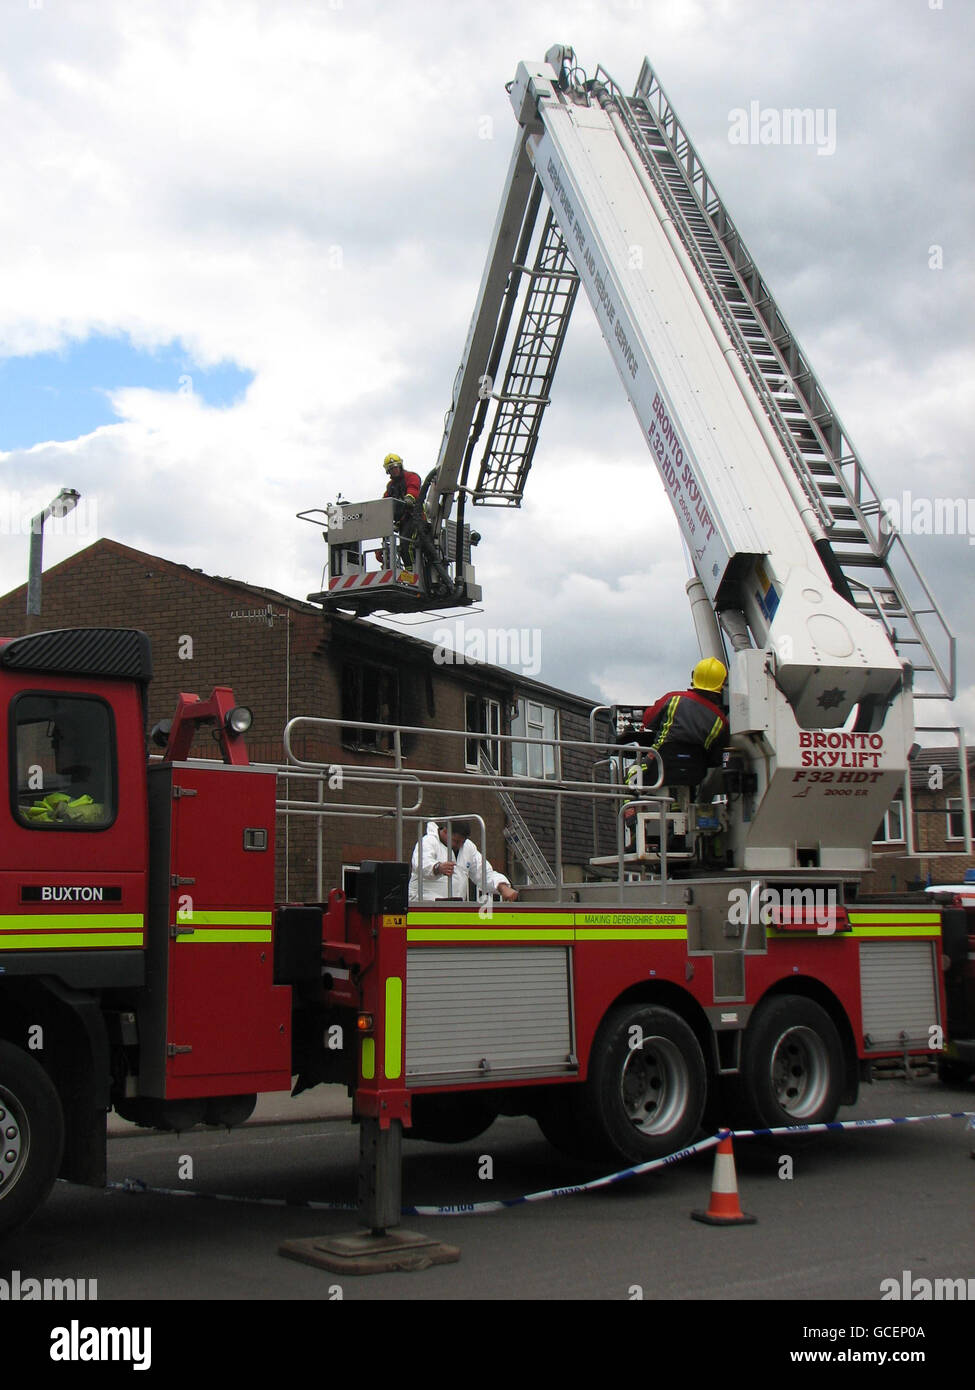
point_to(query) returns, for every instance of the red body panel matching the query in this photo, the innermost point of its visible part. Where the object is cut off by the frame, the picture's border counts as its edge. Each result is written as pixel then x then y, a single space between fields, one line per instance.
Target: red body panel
pixel 381 1091
pixel 603 971
pixel 222 1000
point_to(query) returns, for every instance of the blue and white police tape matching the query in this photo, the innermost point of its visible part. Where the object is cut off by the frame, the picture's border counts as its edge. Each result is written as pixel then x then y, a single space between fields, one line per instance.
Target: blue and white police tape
pixel 140 1188
pixel 136 1185
pixel 856 1124
pixel 476 1208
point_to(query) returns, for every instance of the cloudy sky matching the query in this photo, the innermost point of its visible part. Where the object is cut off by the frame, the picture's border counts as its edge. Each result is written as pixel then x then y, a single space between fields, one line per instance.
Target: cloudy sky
pixel 241 241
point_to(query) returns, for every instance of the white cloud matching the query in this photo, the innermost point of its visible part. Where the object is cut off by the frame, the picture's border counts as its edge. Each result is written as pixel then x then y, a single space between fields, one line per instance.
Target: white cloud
pixel 303 190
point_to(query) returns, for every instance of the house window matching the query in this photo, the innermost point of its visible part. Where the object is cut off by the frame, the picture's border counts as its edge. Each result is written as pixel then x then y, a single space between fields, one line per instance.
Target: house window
pixel 534 758
pixel 891 828
pixel 482 716
pixel 369 693
pixel 956 818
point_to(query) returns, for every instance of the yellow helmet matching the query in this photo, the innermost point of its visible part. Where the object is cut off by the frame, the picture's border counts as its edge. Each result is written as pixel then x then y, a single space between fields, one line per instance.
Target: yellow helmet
pixel 709 674
pixel 392 461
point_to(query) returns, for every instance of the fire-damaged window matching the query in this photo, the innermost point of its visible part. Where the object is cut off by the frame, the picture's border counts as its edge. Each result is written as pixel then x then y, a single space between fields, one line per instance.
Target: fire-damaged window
pixel 369 693
pixel 482 716
pixel 63 764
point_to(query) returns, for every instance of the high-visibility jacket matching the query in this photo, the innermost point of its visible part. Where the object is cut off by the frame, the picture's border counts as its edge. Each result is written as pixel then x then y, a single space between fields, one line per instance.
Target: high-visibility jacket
pixel 688 717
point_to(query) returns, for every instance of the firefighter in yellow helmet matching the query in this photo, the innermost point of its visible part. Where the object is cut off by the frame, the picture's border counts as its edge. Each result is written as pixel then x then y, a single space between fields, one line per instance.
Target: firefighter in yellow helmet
pixel 688 730
pixel 402 485
pixel 688 718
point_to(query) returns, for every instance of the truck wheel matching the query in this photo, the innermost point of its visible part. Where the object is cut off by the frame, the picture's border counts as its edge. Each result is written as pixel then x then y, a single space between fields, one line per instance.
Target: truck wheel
pixel 31 1136
pixel 647 1084
pixel 791 1066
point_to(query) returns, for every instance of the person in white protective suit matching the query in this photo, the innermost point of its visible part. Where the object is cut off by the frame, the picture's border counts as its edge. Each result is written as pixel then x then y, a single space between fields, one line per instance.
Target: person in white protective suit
pixel 450 870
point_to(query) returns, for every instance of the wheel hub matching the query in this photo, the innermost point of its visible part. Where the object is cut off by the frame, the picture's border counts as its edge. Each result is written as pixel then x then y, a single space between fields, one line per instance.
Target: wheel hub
pixel 800 1072
pixel 654 1085
pixel 13 1141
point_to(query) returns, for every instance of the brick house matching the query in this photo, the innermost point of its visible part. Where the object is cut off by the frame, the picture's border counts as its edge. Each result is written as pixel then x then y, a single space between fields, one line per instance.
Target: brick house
pixel 937 824
pixel 285 658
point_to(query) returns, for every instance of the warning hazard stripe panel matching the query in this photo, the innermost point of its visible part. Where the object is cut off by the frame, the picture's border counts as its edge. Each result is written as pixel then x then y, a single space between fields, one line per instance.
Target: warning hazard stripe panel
pixel 71 941
pixel 70 931
pixel 918 919
pixel 362 581
pixel 482 933
pixel 203 928
pixel 922 930
pixel 547 927
pixel 633 934
pixel 917 924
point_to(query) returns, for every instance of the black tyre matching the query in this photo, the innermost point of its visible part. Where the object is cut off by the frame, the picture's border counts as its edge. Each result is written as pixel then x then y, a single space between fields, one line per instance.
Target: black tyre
pixel 31 1136
pixel 792 1065
pixel 647 1085
pixel 452 1119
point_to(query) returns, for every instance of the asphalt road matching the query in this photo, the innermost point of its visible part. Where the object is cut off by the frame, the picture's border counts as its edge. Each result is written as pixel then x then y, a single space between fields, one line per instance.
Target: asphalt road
pixel 859 1207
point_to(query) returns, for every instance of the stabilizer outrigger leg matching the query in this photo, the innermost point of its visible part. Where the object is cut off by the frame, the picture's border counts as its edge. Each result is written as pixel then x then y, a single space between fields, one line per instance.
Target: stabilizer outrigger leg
pixel 382 1102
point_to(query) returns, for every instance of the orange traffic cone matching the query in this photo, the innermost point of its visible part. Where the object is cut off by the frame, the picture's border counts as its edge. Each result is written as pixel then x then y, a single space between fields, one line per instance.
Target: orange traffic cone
pixel 725 1209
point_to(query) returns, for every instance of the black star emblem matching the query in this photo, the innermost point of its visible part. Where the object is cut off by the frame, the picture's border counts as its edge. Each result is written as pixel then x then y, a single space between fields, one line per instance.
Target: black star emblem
pixel 831 698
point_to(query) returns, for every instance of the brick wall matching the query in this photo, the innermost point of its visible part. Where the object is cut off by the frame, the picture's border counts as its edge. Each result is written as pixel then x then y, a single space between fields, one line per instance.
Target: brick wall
pixel 207 631
pixel 938 858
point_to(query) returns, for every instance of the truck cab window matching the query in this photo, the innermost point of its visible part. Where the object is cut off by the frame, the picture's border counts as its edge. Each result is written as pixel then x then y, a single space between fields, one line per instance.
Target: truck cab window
pixel 63 763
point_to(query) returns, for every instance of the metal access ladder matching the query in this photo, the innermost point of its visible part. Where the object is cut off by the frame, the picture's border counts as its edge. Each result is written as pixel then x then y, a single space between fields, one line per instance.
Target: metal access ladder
pixel 534 356
pixel 516 831
pixel 882 575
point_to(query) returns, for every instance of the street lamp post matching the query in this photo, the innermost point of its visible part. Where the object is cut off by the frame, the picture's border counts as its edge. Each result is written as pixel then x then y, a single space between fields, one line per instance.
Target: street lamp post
pixel 65 501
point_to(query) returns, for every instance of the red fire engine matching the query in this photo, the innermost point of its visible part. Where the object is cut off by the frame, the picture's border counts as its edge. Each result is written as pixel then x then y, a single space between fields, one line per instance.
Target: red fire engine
pixel 147 967
pixel 719 965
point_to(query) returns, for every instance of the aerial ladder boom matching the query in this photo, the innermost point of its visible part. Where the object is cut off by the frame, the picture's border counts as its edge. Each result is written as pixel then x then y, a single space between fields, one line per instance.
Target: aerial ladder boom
pixel 751 456
pixel 489 324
